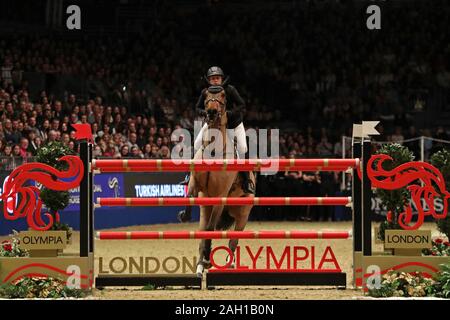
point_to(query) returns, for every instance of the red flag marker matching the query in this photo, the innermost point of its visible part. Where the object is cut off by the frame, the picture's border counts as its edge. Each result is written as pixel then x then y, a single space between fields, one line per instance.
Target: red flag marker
pixel 83 131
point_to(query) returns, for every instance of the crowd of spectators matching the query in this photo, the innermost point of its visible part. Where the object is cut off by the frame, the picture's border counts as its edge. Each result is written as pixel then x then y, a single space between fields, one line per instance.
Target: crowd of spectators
pixel 311 78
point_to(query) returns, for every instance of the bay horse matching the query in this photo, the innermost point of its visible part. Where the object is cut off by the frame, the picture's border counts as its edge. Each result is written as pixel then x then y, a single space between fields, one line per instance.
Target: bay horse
pixel 217 183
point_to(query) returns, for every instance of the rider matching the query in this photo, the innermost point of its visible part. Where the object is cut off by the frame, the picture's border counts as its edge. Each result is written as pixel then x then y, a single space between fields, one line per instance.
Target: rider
pixel 235 106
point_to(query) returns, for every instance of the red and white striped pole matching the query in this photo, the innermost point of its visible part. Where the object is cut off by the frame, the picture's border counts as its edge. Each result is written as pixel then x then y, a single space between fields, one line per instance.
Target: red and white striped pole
pixel 179 235
pixel 231 201
pixel 167 165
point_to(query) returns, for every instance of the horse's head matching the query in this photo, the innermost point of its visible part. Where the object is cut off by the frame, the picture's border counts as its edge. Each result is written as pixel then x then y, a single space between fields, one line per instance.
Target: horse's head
pixel 215 103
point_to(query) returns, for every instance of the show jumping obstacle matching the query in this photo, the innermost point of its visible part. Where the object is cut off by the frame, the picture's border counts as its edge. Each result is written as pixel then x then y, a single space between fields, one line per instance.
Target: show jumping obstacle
pixel 333 277
pixel 360 202
pixel 281 277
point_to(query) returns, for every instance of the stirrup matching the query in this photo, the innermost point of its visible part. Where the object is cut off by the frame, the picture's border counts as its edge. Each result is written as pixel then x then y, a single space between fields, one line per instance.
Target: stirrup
pixel 185 182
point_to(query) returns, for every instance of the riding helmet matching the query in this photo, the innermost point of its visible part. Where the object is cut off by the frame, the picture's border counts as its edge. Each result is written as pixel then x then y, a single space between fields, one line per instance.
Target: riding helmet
pixel 214 71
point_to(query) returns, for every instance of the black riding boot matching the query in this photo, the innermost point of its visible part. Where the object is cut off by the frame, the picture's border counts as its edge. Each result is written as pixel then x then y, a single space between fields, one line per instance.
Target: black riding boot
pixel 185 215
pixel 247 184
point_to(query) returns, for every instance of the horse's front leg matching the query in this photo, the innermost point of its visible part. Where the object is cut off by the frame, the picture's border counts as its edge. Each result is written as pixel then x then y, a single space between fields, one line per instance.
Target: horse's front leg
pixel 211 226
pixel 203 261
pixel 186 214
pixel 240 215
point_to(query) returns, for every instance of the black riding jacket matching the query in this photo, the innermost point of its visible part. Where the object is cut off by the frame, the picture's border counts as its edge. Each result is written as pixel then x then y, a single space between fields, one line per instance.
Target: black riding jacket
pixel 235 105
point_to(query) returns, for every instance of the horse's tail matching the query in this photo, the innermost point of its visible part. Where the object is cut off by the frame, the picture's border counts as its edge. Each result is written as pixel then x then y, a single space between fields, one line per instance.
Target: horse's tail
pixel 225 221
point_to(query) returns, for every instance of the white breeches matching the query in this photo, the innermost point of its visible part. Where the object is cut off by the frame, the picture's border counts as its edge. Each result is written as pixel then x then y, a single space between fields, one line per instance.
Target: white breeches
pixel 238 132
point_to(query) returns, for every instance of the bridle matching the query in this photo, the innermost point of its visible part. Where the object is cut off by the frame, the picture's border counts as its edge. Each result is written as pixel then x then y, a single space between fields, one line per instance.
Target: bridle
pixel 222 103
pixel 213 115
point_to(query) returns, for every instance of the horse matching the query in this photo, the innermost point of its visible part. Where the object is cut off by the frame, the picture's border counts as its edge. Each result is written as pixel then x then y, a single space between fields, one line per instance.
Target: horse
pixel 217 183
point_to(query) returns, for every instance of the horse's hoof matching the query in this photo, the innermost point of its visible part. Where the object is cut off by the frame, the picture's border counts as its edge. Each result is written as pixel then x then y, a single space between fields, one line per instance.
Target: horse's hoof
pixel 183 216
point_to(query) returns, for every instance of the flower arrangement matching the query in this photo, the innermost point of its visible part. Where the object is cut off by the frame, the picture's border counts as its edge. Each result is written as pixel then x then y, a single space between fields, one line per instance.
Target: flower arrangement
pixel 441 287
pixel 440 247
pixel 414 284
pixel 39 287
pixel 402 284
pixel 11 248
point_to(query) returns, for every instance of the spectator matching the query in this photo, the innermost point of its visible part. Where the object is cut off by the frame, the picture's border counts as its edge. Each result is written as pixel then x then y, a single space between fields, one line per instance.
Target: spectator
pixel 141 138
pixel 132 141
pixel 32 146
pixel 55 124
pixel 43 132
pixel 17 156
pixel 38 142
pixel 165 152
pixel 155 152
pixel 147 151
pixel 97 151
pixel 32 125
pixel 7 151
pixel 135 152
pixel 65 138
pixel 72 146
pixel 110 150
pixel 64 128
pixel 58 112
pixel 124 151
pixel 52 135
pixel 23 147
pixel 12 135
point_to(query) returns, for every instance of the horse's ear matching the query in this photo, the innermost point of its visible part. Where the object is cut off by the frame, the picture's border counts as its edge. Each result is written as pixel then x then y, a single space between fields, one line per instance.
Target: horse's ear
pixel 225 82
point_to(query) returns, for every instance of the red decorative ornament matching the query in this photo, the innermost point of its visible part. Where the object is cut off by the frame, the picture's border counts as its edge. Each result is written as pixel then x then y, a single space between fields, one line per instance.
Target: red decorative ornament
pixel 402 176
pixel 22 201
